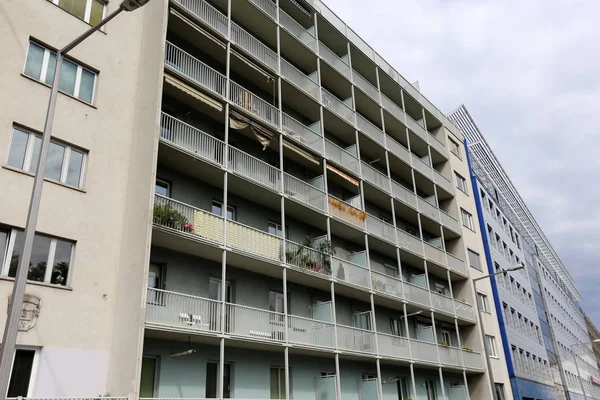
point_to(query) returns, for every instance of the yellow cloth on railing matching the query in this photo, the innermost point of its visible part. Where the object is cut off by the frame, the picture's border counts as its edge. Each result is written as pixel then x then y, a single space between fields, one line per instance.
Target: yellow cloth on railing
pixel 253 241
pixel 208 226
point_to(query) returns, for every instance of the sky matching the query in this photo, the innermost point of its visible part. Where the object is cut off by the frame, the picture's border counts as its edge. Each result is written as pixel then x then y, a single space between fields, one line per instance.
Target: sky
pixel 529 74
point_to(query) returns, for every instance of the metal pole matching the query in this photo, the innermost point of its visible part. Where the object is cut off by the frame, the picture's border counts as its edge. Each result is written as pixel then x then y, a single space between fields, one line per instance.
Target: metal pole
pixel 485 351
pixel 578 373
pixel 14 312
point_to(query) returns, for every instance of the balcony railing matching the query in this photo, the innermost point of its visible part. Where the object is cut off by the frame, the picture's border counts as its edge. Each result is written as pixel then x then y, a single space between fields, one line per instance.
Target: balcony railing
pixel 397 149
pixel 410 242
pixel 428 209
pixel 378 179
pixel 416 127
pixel 456 264
pixel 449 221
pixel 393 346
pixel 404 195
pixel 417 294
pixel 253 46
pixel 206 13
pixel 337 106
pixel 254 323
pixel 473 360
pixel 182 311
pixel 354 339
pixel 334 60
pixel 299 79
pixel 365 86
pixel 443 182
pixel 307 258
pixel 306 193
pixel 381 228
pixel 435 254
pixel 442 303
pixel 341 157
pixel 464 310
pixel 203 224
pixel 253 104
pixel 424 351
pixel 451 356
pixel 254 169
pixel 436 144
pixel 297 30
pixel 191 139
pixel 301 133
pixel 254 241
pixel 341 209
pixel 349 272
pixel 311 332
pixel 268 6
pixel 201 74
pixel 370 129
pixel 392 108
pixel 386 284
pixel 422 167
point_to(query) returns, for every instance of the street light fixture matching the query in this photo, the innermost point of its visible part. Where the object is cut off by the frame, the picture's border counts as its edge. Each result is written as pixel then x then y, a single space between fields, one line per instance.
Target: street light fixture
pixel 485 349
pixel 14 312
pixel 577 365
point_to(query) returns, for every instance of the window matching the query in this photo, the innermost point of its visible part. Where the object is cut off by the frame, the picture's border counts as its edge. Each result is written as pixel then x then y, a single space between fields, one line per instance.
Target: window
pixel 430 387
pixel 217 209
pixel 499 387
pixel 446 340
pixel 148 377
pixel 47 251
pixel 162 188
pixel 474 260
pixel 397 326
pixel 75 80
pixel 275 229
pixel 404 388
pixel 20 375
pixel 490 343
pixel 90 11
pixel 482 302
pixel 278 387
pixel 65 164
pixel 212 375
pixel 390 270
pixel 461 183
pixel 467 219
pixel 454 147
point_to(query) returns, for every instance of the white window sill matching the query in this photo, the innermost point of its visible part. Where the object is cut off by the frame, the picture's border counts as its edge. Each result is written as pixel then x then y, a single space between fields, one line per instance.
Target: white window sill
pixel 8 167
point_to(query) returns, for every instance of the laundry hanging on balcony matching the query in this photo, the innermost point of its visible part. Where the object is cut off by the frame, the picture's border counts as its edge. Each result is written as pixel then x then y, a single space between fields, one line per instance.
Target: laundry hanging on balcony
pixel 342 174
pixel 190 91
pixel 302 153
pixel 239 122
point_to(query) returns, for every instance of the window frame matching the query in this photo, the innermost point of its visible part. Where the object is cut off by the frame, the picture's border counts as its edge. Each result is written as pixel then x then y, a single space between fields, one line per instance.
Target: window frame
pixel 34 367
pixel 452 146
pixel 66 159
pixel 229 207
pixel 465 214
pixel 463 183
pixel 44 72
pixel 490 342
pixel 167 185
pixel 477 257
pixel 484 304
pixel 88 9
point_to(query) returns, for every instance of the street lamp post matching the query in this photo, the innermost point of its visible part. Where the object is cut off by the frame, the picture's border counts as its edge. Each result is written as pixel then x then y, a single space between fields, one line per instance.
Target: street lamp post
pixel 577 365
pixel 14 312
pixel 485 349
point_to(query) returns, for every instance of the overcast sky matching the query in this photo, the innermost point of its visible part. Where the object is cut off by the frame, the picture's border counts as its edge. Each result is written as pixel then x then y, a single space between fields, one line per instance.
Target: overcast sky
pixel 529 73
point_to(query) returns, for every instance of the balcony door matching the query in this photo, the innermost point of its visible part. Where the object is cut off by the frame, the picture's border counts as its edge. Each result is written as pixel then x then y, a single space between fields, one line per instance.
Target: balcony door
pixel 212 380
pixel 148 377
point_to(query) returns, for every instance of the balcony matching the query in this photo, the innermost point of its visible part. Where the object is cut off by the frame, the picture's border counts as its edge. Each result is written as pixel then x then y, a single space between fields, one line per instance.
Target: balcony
pixel 304 192
pixel 254 47
pixel 307 259
pixel 424 351
pixel 424 168
pixel 341 157
pixel 417 295
pixel 393 346
pixel 204 225
pixel 183 63
pixel 472 360
pixel 365 86
pixel 437 145
pixel 410 242
pixel 382 229
pixel 337 106
pixel 334 60
pixel 191 140
pixel 253 169
pixel 254 323
pixel 253 104
pixel 346 212
pixel 392 108
pixel 299 79
pixel 416 128
pixel 404 195
pixel 310 332
pixel 206 13
pixel 387 285
pixel 435 254
pixel 253 241
pixel 464 310
pixel 428 209
pixel 443 182
pixel 398 150
pixel 349 272
pixel 451 356
pixel 376 178
pixel 370 129
pixel 355 339
pixel 442 303
pixel 302 133
pixel 268 7
pixel 297 30
pixel 456 264
pixel 449 221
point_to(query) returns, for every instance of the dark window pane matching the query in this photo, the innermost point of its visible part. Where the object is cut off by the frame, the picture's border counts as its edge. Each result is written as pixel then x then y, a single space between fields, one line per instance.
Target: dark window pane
pixel 54 164
pixel 4 235
pixel 68 74
pixel 161 188
pixel 51 69
pixel 21 373
pixel 75 167
pixel 211 380
pixel 97 12
pixel 86 86
pixel 75 7
pixel 35 155
pixel 33 64
pixel 62 262
pixel 18 146
pixel 39 258
pixel 16 254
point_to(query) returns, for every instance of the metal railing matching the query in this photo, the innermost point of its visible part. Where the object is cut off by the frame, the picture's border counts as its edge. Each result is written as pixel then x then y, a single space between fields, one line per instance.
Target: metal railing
pixel 254 47
pixel 184 218
pixel 397 149
pixel 422 167
pixel 253 104
pixel 191 139
pixel 337 106
pixel 254 169
pixel 297 30
pixel 268 6
pixel 456 264
pixel 386 284
pixel 436 144
pixel 365 86
pixel 370 129
pixel 183 62
pixel 311 332
pixel 393 109
pixel 410 242
pixel 464 310
pixel 376 178
pixel 341 157
pixel 206 13
pixel 254 323
pixel 299 79
pixel 449 221
pixel 307 258
pixel 451 356
pixel 403 194
pixel 182 311
pixel 341 209
pixel 299 190
pixel 393 346
pixel 355 339
pixel 424 351
pixel 443 182
pixel 334 60
pixel 381 228
pixel 433 253
pixel 428 209
pixel 301 133
pixel 254 241
pixel 349 272
pixel 416 294
pixel 442 303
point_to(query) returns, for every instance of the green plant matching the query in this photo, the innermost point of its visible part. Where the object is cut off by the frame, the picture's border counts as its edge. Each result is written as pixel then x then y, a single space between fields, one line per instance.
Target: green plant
pixel 465 348
pixel 444 344
pixel 164 214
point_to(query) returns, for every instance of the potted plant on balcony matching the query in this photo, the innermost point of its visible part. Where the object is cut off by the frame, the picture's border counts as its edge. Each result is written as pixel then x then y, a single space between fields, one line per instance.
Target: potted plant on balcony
pixel 444 344
pixel 166 215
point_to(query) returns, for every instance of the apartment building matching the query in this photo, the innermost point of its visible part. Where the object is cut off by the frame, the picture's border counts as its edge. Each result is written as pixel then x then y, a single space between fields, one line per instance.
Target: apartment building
pixel 243 200
pixel 594 335
pixel 543 328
